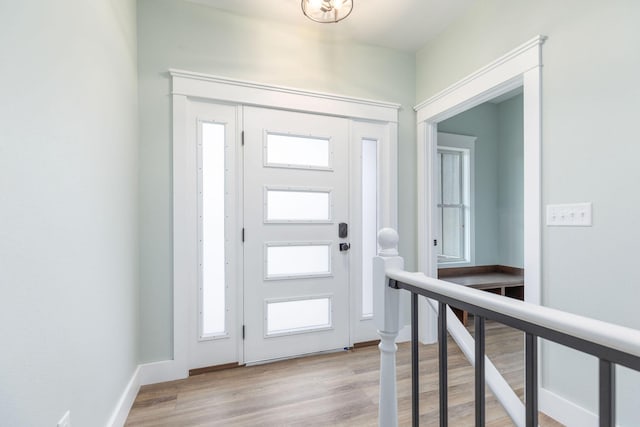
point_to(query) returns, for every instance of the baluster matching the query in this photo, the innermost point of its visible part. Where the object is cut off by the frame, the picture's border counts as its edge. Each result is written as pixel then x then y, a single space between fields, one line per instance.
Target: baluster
pixel 607 399
pixel 531 379
pixel 480 395
pixel 386 313
pixel 442 357
pixel 415 368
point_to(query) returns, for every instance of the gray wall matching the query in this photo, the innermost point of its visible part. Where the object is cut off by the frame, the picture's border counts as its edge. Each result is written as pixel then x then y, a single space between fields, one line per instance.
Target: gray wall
pixel 178 34
pixel 499 179
pixel 510 208
pixel 68 209
pixel 589 79
pixel 482 122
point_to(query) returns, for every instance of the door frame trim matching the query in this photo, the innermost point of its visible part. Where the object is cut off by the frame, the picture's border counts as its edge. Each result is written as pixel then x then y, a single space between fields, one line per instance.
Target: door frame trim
pixel 188 85
pixel 218 88
pixel 521 66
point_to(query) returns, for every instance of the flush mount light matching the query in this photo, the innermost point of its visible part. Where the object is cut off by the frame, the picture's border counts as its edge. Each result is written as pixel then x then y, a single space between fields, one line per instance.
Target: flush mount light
pixel 326 11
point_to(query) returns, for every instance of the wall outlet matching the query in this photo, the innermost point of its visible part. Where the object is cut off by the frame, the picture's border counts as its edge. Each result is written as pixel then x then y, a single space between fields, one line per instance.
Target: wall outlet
pixel 65 421
pixel 569 215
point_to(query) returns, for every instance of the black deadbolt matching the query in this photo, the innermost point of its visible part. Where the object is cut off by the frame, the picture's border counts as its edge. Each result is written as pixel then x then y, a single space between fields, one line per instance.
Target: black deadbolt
pixel 343 230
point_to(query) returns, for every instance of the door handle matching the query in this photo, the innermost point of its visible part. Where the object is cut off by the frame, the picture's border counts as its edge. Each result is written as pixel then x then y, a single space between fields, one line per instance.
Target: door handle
pixel 345 247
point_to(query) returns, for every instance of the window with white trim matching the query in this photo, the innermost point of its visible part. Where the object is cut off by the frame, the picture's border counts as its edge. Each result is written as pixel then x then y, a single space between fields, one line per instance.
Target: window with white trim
pixel 454 207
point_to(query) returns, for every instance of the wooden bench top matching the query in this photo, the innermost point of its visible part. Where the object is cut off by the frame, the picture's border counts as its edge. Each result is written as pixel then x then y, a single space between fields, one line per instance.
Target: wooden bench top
pixel 484 276
pixel 487 280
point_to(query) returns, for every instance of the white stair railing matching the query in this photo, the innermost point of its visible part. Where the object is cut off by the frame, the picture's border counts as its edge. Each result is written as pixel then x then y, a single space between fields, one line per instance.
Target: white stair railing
pixel 611 344
pixel 496 382
pixel 386 304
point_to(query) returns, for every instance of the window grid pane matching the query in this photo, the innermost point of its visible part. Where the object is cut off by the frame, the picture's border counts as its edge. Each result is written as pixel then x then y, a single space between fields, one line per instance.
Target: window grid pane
pixel 452 207
pixel 452 232
pixel 451 178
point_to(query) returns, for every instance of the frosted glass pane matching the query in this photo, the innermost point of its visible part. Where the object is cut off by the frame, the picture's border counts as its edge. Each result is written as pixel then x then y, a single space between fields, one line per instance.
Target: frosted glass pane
pixel 298 260
pixel 452 232
pixel 213 254
pixel 297 151
pixel 439 247
pixel 439 189
pixel 290 205
pixel 369 221
pixel 300 315
pixel 451 175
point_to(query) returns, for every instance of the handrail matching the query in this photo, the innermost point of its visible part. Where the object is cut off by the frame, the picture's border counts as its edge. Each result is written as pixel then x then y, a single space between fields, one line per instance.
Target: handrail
pixel 612 344
pixel 616 337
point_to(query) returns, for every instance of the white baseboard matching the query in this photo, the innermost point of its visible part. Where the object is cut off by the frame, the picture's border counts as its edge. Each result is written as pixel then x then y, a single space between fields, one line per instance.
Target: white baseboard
pixel 405 334
pixel 564 411
pixel 121 411
pixel 147 373
pixel 159 372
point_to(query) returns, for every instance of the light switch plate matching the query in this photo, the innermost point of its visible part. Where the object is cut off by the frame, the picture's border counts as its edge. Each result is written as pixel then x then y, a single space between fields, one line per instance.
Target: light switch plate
pixel 569 215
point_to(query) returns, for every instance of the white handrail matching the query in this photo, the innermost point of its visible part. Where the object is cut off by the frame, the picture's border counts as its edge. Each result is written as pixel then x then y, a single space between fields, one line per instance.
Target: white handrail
pixel 610 335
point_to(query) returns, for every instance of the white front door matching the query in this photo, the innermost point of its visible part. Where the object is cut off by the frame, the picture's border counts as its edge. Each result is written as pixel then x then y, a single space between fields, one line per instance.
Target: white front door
pixel 296 264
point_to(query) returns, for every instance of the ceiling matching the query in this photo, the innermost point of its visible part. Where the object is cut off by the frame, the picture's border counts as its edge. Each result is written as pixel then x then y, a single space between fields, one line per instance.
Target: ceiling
pixel 400 24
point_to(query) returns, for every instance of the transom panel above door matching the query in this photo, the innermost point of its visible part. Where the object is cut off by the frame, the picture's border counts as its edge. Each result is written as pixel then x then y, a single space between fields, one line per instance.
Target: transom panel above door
pixel 296 279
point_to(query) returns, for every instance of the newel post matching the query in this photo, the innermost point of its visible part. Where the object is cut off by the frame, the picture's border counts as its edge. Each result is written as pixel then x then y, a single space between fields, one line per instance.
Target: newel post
pixel 386 307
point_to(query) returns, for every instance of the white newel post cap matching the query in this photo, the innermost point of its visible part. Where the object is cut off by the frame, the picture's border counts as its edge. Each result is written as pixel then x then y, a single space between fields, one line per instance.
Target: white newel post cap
pixel 388 241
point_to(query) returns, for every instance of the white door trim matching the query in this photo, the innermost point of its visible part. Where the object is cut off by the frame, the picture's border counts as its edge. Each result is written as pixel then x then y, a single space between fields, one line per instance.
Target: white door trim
pixel 186 85
pixel 519 67
pixel 250 93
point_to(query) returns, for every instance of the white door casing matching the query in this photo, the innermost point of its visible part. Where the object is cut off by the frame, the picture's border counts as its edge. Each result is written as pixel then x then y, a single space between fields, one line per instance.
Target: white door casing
pixel 519 67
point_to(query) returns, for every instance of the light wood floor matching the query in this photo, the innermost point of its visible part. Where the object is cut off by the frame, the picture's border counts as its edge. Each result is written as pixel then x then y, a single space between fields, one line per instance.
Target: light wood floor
pixel 339 389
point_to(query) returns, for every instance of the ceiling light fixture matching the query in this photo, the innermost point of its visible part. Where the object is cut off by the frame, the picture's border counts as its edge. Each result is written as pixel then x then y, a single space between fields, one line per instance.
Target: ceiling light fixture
pixel 327 11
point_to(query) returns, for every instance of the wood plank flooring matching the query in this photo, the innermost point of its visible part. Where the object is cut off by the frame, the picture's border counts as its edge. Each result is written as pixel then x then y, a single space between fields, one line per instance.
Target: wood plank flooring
pixel 339 389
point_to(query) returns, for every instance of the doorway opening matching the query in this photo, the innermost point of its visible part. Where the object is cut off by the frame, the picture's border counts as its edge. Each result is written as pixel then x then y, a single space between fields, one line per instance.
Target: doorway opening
pixel 480 196
pixel 519 68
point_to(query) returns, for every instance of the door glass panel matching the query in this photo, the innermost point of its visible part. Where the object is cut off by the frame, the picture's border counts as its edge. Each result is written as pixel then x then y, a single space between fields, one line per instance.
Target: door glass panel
pixel 369 221
pixel 442 232
pixel 297 151
pixel 294 261
pixel 212 260
pixel 299 315
pixel 297 205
